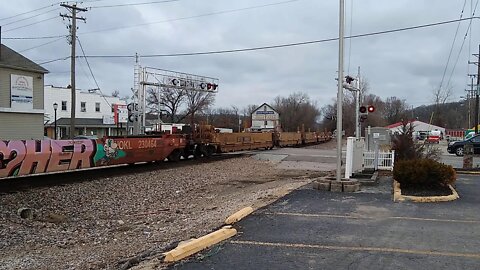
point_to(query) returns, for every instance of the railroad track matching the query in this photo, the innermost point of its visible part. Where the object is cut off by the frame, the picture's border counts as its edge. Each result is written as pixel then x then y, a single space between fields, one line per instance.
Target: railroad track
pixel 16 184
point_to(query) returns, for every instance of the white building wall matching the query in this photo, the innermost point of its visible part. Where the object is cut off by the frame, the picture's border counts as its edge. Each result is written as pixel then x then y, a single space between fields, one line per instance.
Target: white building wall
pixel 420 126
pixel 264 117
pixel 58 94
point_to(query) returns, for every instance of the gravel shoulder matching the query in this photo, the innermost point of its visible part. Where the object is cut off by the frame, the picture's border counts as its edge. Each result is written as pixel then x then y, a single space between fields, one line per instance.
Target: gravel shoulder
pixel 100 224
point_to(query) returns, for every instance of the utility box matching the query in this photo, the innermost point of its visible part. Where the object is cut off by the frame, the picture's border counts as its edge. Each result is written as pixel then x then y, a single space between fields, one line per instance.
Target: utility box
pixel 377 135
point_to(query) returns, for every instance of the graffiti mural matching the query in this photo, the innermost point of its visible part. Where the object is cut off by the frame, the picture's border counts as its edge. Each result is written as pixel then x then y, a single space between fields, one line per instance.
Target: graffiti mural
pixel 35 156
pixel 107 152
pixel 26 157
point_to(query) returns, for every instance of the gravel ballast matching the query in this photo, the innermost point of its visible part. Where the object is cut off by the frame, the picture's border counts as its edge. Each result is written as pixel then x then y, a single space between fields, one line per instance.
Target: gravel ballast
pixel 100 224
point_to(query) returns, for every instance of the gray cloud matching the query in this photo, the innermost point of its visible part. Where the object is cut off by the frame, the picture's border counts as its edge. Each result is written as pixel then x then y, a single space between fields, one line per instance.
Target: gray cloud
pixel 404 64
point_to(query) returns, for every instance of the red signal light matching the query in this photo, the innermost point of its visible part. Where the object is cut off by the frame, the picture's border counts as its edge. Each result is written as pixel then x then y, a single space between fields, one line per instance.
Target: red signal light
pixel 371 108
pixel 212 86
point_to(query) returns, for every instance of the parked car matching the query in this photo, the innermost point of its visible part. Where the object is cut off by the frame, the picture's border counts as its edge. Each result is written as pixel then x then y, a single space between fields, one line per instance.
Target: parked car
pixel 458 146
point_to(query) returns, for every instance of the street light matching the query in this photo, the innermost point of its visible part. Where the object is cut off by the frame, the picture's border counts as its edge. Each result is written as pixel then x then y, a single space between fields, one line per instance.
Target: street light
pixel 55 107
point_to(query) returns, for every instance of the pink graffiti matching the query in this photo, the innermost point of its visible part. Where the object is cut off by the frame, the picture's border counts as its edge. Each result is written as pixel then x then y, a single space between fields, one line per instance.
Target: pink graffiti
pixel 32 156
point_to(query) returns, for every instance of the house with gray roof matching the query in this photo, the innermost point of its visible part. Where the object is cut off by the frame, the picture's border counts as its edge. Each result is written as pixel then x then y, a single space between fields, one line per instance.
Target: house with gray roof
pixel 21 96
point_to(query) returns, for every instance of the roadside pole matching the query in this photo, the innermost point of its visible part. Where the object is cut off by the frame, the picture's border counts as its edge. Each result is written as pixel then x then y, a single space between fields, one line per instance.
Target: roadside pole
pixel 340 93
pixel 476 93
pixel 357 108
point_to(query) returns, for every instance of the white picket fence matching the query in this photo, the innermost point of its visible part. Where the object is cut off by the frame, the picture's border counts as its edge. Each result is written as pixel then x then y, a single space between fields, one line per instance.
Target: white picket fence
pixel 386 160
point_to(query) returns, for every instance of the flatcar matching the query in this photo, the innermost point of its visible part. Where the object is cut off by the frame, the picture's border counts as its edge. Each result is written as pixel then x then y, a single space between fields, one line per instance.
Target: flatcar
pixel 30 157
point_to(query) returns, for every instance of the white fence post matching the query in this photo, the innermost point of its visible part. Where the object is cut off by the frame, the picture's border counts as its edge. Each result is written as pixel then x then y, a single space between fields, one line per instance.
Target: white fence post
pixel 379 160
pixel 349 157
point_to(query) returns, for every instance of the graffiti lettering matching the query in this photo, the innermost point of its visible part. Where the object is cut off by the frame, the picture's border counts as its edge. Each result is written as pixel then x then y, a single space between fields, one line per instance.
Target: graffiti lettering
pixel 124 145
pixel 31 156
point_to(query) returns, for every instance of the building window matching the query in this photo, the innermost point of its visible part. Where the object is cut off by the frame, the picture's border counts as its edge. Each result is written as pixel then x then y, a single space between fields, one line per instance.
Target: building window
pixel 266 123
pixel 97 106
pixel 64 105
pixel 83 106
pixel 113 109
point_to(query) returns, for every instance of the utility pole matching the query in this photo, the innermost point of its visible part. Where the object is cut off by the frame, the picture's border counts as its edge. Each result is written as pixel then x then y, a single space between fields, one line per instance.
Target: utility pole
pixel 340 91
pixel 477 90
pixel 358 129
pixel 470 95
pixel 73 35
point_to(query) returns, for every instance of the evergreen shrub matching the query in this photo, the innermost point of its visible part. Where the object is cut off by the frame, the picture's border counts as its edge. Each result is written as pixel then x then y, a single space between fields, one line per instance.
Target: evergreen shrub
pixel 423 172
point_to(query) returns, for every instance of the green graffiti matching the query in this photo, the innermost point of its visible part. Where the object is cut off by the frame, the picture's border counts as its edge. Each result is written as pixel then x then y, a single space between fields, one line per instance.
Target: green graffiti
pixel 107 152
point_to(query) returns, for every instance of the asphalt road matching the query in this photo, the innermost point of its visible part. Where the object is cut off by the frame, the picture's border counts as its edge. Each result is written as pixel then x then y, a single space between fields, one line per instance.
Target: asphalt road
pixel 311 229
pixel 452 159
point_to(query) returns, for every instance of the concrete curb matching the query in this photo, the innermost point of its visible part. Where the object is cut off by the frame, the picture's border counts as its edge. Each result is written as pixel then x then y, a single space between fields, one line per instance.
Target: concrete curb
pixel 398 197
pixel 235 217
pixel 196 245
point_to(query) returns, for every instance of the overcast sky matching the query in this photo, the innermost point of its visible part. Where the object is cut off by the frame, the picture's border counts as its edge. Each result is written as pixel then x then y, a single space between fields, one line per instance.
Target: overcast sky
pixel 408 64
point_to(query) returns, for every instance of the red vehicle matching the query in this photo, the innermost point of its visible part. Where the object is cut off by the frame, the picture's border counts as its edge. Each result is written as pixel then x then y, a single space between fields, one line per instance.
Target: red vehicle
pixel 433 136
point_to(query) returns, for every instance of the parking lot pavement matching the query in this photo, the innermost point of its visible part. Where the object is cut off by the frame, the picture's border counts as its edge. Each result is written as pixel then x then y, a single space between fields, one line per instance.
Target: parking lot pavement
pixel 311 229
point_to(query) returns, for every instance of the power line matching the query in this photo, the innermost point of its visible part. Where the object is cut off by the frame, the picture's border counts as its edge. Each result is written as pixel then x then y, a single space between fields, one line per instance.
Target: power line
pixel 463 43
pixel 143 24
pixel 20 38
pixel 28 18
pixel 190 17
pixel 23 26
pixel 288 44
pixel 41 45
pixel 37 9
pixel 134 4
pixel 350 41
pixel 54 60
pixel 469 44
pixel 91 72
pixel 273 46
pixel 453 44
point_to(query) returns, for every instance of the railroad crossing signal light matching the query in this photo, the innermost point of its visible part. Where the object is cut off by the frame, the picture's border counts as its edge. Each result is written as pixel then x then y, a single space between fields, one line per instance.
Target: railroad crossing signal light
pixel 371 108
pixel 212 86
pixel 363 113
pixel 208 86
pixel 363 109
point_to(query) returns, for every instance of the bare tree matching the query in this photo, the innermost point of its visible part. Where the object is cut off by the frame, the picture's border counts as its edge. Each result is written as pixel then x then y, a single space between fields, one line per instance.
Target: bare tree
pixel 329 113
pixel 247 114
pixel 440 97
pixel 296 110
pixel 115 93
pixel 248 110
pixel 196 102
pixel 169 98
pixel 394 110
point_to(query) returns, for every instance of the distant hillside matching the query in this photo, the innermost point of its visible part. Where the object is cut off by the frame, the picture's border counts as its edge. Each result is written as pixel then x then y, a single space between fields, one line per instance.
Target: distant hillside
pixel 449 115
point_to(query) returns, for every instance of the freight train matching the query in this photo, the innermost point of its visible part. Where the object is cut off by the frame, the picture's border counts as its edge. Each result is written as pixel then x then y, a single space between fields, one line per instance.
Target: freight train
pixel 31 157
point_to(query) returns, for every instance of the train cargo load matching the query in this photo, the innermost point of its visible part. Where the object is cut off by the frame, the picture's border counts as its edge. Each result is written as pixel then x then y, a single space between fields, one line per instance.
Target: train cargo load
pixel 288 139
pixel 230 142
